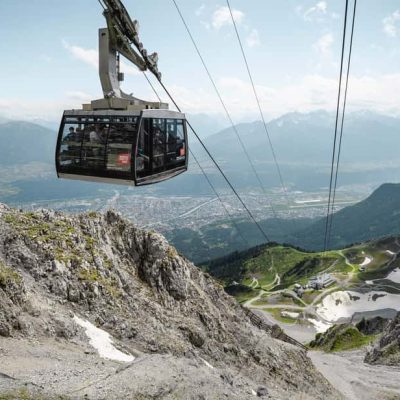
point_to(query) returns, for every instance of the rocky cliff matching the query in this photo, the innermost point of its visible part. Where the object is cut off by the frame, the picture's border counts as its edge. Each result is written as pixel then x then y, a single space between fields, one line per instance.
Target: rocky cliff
pixel 180 334
pixel 387 349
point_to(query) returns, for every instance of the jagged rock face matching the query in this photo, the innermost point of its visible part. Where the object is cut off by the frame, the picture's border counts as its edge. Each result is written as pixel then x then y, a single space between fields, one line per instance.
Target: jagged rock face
pixel 133 284
pixel 372 326
pixel 387 349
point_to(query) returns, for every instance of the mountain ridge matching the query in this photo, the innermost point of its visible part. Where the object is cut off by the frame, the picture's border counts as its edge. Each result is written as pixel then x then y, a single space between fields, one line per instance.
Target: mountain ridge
pixel 374 217
pixel 157 306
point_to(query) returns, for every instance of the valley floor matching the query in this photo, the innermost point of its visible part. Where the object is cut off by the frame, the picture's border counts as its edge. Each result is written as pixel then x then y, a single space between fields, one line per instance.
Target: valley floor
pixel 355 379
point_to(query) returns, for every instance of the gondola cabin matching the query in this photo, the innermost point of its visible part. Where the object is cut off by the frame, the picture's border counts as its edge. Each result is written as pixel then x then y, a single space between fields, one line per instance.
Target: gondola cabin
pixel 123 147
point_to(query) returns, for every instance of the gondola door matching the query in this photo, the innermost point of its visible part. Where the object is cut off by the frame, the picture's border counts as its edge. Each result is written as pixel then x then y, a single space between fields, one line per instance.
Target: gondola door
pixel 151 148
pixel 161 147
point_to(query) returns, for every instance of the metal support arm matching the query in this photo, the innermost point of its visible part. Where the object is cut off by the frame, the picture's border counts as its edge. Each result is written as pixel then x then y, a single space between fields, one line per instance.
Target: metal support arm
pixel 116 39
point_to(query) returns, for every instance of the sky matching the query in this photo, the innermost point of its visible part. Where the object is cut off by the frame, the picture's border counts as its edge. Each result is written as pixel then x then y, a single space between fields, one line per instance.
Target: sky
pixel 49 55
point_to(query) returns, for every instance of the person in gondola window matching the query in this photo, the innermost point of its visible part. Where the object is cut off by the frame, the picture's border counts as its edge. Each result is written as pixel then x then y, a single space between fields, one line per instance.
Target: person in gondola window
pixel 94 135
pixel 158 148
pixel 71 135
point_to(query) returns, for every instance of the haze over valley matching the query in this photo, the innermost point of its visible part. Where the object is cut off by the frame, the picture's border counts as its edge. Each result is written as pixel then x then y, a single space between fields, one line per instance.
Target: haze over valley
pixel 187 204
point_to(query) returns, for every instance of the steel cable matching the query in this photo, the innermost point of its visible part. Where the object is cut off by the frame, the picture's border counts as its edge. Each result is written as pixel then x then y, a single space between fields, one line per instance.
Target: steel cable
pixel 224 106
pixel 336 128
pixel 259 105
pixel 342 122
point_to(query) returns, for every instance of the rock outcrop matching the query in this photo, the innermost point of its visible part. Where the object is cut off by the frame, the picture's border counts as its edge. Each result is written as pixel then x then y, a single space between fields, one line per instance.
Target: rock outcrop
pixel 156 304
pixel 372 326
pixel 387 349
pixel 340 337
pixel 349 336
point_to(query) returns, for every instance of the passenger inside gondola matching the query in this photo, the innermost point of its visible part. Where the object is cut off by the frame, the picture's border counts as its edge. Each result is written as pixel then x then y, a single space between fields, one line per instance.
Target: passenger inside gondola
pixel 94 146
pixel 158 149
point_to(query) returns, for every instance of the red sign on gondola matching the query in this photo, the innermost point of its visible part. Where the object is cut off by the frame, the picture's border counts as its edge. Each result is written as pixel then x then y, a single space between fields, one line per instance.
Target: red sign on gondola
pixel 124 159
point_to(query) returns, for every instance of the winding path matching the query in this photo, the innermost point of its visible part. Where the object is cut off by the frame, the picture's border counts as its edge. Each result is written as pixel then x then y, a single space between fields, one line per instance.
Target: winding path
pixel 310 309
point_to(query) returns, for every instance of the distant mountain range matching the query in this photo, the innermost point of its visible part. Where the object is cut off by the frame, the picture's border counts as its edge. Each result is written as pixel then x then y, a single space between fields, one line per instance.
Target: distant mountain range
pixel 24 142
pixel 303 146
pixel 307 138
pixel 302 143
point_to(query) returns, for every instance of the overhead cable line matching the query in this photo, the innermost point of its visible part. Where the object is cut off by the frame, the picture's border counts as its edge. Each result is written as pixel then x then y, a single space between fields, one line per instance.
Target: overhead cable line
pixel 204 173
pixel 258 104
pixel 342 122
pixel 224 106
pixel 336 128
pixel 217 165
pixel 152 86
pixel 219 198
pixel 158 77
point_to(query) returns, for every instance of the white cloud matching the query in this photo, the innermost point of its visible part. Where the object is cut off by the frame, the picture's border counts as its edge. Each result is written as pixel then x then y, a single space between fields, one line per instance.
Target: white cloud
pixel 91 57
pixel 79 96
pixel 317 12
pixel 29 110
pixel 324 44
pixel 253 38
pixel 222 17
pixel 88 56
pixel 319 9
pixel 199 11
pixel 312 92
pixel 389 24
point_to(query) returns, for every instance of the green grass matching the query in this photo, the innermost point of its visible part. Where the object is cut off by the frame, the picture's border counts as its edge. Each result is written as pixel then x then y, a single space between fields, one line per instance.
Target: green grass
pixel 351 339
pixel 24 394
pixel 8 275
pixel 244 296
pixel 30 225
pixel 296 266
pixel 293 266
pixel 61 235
pixel 109 283
pixel 273 259
pixel 341 338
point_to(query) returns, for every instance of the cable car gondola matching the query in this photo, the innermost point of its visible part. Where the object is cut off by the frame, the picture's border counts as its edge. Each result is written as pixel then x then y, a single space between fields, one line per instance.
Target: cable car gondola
pixel 120 138
pixel 122 146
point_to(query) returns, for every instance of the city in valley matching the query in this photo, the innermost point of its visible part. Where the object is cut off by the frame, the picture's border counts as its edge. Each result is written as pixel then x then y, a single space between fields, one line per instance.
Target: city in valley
pixel 165 213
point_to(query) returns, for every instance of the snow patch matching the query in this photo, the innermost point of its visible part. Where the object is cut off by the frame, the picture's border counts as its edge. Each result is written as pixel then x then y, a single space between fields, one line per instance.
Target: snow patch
pixel 290 314
pixel 320 326
pixel 344 304
pixel 253 392
pixel 394 276
pixel 102 342
pixel 369 282
pixel 366 261
pixel 390 252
